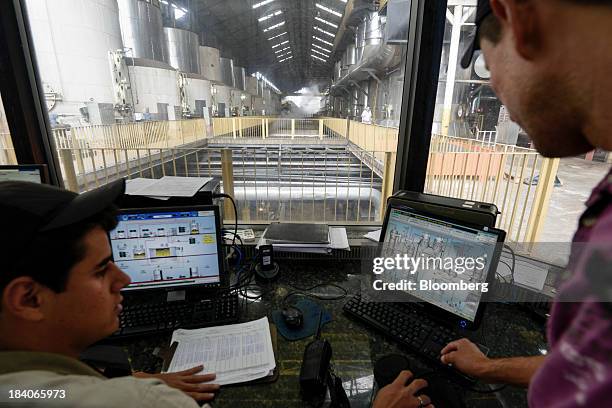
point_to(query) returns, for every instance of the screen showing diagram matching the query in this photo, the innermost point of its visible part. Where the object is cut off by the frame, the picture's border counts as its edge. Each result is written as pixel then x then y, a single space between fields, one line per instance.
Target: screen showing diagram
pixel 443 249
pixel 160 249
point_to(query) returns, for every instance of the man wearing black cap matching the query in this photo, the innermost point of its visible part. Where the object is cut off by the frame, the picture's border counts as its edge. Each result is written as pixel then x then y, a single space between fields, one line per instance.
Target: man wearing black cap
pixel 60 293
pixel 550 65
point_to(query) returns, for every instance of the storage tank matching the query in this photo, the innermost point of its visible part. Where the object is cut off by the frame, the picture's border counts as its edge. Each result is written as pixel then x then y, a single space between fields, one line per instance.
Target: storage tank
pixel 154 88
pixel 142 30
pixel 210 66
pixel 198 94
pixel 222 100
pixel 251 85
pixel 360 39
pixel 183 49
pixel 350 57
pixel 73 66
pixel 227 71
pixel 240 78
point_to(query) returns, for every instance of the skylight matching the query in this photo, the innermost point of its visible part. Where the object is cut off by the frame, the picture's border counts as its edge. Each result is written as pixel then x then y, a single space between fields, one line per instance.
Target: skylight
pixel 262 3
pixel 334 12
pixel 321 48
pixel 319 58
pixel 288 58
pixel 282 23
pixel 329 23
pixel 276 36
pixel 279 44
pixel 276 13
pixel 324 32
pixel 320 53
pixel 322 40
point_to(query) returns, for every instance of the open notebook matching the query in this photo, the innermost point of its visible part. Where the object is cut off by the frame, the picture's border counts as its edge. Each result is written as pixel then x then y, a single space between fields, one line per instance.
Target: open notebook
pixel 236 353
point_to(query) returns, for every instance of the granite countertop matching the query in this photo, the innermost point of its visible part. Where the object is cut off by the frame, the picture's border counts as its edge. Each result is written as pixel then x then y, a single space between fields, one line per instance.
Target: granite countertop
pixel 507 330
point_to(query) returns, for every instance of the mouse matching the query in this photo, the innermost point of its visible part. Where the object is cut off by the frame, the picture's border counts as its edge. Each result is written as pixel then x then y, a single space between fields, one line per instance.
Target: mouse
pixel 293 317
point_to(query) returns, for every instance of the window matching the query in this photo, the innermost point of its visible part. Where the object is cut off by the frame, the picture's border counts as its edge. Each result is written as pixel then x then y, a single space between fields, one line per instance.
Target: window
pixel 478 153
pixel 7 152
pixel 307 109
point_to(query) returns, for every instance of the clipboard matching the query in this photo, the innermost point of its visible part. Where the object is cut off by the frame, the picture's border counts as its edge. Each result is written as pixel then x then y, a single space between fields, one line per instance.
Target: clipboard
pixel 268 379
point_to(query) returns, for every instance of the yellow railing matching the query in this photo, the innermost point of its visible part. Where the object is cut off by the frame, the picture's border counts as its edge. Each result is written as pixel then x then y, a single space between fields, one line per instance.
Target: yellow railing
pixel 7 151
pixel 496 173
pixel 479 170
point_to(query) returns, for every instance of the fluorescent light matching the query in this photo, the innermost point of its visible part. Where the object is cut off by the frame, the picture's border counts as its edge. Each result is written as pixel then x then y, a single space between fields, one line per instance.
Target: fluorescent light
pixel 288 58
pixel 262 3
pixel 164 2
pixel 334 12
pixel 283 55
pixel 319 58
pixel 324 32
pixel 282 23
pixel 344 1
pixel 276 36
pixel 319 52
pixel 279 44
pixel 284 49
pixel 326 22
pixel 321 48
pixel 276 13
pixel 322 40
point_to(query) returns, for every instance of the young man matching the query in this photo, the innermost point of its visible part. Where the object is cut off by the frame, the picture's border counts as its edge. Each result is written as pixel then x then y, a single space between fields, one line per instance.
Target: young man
pixel 60 293
pixel 550 65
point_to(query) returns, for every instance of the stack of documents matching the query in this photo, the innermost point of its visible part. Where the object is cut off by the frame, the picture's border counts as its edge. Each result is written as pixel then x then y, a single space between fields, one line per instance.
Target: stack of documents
pixel 236 353
pixel 310 238
pixel 165 187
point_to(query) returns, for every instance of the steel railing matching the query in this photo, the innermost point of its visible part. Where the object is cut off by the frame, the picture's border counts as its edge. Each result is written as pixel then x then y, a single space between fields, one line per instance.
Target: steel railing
pixel 467 168
pixel 501 174
pixel 7 151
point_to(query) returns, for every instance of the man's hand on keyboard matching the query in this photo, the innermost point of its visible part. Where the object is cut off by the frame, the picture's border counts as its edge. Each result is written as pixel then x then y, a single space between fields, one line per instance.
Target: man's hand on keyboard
pixel 196 386
pixel 465 356
pixel 403 394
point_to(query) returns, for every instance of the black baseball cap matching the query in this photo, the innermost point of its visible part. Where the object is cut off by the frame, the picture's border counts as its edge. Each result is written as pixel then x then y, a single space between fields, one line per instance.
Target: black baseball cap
pixel 482 11
pixel 40 207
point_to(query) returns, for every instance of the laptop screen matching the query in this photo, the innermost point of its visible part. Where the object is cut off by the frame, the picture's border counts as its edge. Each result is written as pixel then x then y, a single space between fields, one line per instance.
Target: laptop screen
pixel 168 248
pixel 428 238
pixel 31 173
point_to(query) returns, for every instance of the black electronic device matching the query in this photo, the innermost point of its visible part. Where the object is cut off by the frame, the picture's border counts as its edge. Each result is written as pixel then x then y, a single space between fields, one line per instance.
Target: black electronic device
pixel 293 317
pixel 34 173
pixel 266 270
pixel 266 257
pixel 406 324
pixel 206 196
pixel 174 258
pixel 439 390
pixel 472 212
pixel 314 372
pixel 405 226
pixel 141 317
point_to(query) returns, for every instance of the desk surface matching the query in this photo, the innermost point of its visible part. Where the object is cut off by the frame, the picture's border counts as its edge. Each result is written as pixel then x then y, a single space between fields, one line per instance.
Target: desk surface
pixel 507 330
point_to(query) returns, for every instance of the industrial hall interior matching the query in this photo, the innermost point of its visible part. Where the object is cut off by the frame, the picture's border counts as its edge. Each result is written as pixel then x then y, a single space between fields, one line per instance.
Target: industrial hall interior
pixel 293 106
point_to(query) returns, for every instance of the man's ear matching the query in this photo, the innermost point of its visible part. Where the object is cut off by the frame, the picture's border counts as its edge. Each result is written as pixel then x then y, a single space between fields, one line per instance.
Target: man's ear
pixel 521 18
pixel 23 298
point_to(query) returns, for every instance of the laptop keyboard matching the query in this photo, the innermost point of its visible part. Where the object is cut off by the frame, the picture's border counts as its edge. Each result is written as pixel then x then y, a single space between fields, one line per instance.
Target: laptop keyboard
pixel 407 326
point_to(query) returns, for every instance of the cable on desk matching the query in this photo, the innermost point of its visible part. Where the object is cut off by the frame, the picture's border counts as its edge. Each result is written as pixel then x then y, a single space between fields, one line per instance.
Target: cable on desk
pixel 306 292
pixel 511 251
pixel 235 214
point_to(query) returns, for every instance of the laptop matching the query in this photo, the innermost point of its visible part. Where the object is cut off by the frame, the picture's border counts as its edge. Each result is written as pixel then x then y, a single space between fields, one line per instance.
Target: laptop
pixel 34 173
pixel 429 236
pixel 174 258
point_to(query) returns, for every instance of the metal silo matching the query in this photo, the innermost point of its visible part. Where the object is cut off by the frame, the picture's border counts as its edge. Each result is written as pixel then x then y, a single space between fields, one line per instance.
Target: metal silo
pixel 142 30
pixel 210 66
pixel 75 67
pixel 183 49
pixel 227 71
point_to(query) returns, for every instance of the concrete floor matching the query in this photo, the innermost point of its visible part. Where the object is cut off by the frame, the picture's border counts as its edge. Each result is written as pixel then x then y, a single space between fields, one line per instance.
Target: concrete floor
pixel 579 177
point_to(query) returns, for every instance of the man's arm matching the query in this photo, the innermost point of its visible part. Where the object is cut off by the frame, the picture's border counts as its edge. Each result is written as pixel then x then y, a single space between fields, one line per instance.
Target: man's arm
pixel 466 357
